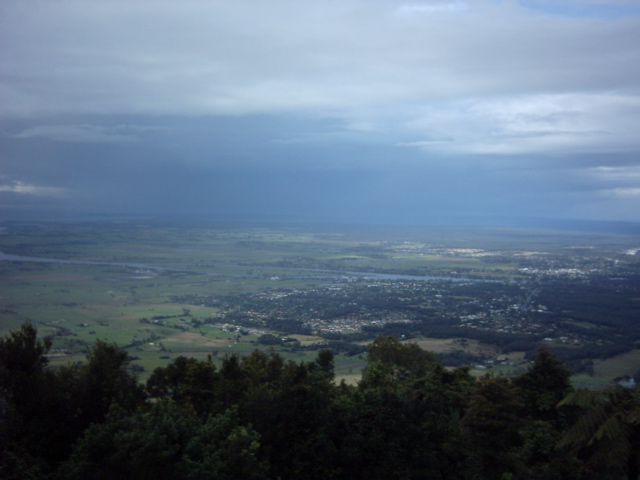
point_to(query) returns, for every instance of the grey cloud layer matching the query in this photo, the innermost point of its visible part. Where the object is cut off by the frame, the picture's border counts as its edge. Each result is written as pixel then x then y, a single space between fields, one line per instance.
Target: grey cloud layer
pixel 492 65
pixel 250 56
pixel 496 85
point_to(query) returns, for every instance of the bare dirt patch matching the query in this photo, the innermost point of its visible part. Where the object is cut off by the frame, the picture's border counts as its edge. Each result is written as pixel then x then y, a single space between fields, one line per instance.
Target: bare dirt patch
pixel 188 354
pixel 349 379
pixel 446 345
pixel 437 345
pixel 306 339
pixel 189 338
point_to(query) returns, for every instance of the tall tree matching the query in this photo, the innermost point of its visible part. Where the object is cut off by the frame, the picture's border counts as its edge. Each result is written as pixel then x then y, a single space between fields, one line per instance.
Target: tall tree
pixel 290 405
pixel 389 360
pixel 545 384
pixel 22 361
pixel 24 390
pixel 492 427
pixel 187 381
pixel 403 420
pixel 105 380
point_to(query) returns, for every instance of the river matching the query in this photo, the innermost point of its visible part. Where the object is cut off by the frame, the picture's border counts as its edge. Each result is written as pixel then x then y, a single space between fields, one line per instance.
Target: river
pixel 333 273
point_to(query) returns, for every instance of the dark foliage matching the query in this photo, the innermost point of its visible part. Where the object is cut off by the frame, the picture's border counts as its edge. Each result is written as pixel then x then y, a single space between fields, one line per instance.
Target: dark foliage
pixel 261 417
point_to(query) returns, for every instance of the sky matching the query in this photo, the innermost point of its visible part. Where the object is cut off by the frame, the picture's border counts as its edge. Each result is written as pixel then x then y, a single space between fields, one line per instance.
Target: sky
pixel 368 111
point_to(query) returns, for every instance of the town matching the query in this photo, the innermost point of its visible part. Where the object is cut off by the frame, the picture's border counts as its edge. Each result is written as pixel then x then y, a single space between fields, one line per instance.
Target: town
pixel 579 305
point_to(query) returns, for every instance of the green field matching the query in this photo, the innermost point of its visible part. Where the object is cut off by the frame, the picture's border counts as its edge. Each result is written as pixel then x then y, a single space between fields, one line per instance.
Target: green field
pixel 124 278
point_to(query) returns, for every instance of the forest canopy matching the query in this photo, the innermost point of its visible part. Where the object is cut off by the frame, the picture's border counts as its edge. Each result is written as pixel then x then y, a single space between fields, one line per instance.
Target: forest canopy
pixel 262 417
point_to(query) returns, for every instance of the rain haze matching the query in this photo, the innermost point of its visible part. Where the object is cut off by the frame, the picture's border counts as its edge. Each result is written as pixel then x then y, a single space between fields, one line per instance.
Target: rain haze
pixel 345 111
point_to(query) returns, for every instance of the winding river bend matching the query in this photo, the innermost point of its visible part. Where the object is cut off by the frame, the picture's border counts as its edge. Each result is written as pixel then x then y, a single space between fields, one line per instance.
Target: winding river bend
pixel 322 274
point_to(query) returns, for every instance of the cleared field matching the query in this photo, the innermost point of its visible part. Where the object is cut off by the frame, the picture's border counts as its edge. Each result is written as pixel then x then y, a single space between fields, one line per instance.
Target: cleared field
pixel 627 364
pixel 189 338
pixel 440 345
pixel 349 379
pixel 306 340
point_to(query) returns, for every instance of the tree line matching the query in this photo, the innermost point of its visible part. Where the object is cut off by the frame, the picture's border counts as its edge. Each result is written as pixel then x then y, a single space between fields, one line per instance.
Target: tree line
pixel 263 417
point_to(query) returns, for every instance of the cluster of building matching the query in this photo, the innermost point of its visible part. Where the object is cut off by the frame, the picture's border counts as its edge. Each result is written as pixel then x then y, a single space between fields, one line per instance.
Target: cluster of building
pixel 351 323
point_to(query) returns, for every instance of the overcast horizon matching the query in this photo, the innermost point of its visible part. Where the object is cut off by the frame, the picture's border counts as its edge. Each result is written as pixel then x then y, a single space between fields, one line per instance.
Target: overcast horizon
pixel 353 111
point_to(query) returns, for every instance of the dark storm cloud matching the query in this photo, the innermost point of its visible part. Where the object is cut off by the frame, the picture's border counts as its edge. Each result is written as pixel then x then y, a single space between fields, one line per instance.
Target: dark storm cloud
pixel 356 109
